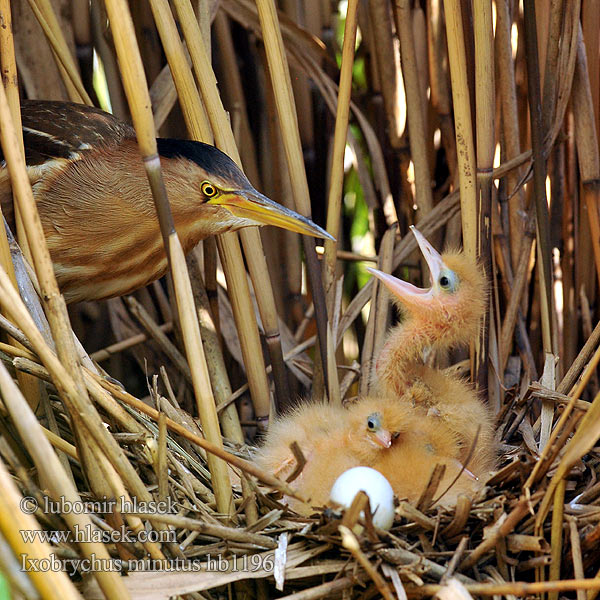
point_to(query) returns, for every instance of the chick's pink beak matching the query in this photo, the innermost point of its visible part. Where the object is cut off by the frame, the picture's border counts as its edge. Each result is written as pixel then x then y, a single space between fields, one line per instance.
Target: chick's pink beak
pixel 406 291
pixel 383 438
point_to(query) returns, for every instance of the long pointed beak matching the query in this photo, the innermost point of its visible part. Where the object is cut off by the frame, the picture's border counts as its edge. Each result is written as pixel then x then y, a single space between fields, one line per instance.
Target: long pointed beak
pixel 252 205
pixel 407 291
pixel 432 256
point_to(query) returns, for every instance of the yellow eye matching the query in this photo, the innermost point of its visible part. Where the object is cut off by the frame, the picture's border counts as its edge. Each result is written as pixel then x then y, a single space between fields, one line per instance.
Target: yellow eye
pixel 208 189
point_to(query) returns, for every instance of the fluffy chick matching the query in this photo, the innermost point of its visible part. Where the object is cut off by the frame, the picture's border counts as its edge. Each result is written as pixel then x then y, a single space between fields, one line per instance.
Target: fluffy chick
pixel 332 439
pixel 440 317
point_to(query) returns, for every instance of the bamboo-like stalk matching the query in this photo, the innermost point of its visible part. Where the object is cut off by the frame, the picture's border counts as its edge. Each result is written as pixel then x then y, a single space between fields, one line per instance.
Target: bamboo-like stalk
pixel 556 537
pixel 252 243
pixel 280 81
pixel 510 126
pixel 388 72
pixel 415 106
pixel 59 482
pixel 54 303
pixel 49 584
pixel 439 86
pixel 44 13
pixel 194 115
pixel 539 177
pixel 10 80
pixel 136 91
pixel 336 180
pixel 550 70
pixel 484 110
pixel 462 124
pixel 378 315
pixel 587 147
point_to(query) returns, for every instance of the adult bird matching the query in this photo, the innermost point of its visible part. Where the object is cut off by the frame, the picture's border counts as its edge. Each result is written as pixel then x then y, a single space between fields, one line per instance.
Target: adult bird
pixel 96 206
pixel 439 317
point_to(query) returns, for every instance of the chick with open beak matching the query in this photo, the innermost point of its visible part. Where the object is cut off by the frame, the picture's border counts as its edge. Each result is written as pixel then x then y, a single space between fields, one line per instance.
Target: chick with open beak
pixel 439 317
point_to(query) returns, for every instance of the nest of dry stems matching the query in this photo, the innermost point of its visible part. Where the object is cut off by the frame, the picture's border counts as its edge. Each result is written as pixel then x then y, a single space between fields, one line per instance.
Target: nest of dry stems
pixel 526 526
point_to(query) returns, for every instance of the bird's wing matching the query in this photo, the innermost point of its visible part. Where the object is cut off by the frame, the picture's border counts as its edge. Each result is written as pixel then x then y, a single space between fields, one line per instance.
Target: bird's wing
pixel 63 130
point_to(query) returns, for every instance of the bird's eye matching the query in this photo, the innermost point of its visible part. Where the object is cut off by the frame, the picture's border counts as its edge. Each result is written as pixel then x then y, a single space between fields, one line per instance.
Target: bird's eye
pixel 448 281
pixel 208 189
pixel 373 422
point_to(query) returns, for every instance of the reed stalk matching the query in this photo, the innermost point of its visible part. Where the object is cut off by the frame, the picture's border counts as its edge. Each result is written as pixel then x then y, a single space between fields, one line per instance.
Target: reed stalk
pixel 280 81
pixel 587 147
pixel 44 13
pixel 416 105
pixel 136 91
pixel 250 238
pixel 463 125
pixel 12 521
pixel 539 176
pixel 336 179
pixel 484 109
pixel 387 74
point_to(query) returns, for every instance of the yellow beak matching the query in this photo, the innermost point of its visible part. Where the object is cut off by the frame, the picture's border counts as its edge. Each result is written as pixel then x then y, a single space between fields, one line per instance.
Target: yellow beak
pixel 253 206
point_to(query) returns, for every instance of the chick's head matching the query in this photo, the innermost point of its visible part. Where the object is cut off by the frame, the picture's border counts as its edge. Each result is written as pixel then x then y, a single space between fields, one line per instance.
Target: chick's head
pixel 449 310
pixel 374 425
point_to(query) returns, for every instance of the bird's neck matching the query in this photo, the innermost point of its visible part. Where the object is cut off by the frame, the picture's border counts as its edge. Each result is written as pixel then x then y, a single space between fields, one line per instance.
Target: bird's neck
pixel 401 356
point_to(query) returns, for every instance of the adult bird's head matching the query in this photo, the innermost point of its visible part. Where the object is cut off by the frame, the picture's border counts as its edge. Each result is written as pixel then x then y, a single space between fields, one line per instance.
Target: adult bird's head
pixel 207 188
pixel 449 310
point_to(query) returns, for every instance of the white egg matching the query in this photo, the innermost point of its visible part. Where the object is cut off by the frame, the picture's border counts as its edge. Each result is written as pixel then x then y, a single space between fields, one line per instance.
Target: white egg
pixel 374 484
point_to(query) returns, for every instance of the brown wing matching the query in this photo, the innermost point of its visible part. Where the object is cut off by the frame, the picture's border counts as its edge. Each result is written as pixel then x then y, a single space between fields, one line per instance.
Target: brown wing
pixel 65 129
pixel 60 130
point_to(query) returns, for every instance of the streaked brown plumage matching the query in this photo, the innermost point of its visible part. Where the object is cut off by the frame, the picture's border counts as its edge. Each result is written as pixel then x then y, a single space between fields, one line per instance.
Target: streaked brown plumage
pixel 95 202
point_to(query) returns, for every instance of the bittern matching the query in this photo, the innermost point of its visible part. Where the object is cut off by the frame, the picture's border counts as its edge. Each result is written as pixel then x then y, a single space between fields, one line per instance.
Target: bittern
pixel 96 206
pixel 440 317
pixel 383 433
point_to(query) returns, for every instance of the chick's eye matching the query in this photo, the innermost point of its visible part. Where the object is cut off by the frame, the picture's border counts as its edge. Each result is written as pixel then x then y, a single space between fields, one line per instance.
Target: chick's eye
pixel 208 189
pixel 448 281
pixel 373 422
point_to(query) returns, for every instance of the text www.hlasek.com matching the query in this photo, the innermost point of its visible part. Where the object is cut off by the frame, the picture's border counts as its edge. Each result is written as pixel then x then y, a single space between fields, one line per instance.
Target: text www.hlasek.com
pixel 92 534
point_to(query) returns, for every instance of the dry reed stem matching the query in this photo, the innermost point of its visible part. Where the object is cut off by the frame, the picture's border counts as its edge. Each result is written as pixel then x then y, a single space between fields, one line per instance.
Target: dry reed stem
pixel 517 588
pixel 53 302
pixel 583 440
pixel 574 394
pixel 44 13
pixel 75 402
pixel 288 122
pixel 60 484
pixel 114 349
pixel 259 273
pixel 194 115
pixel 463 125
pixel 377 323
pixel 415 107
pixel 551 63
pixel 587 147
pixel 48 583
pixel 336 179
pixel 556 536
pixel 145 320
pixel 137 95
pixel 539 178
pixel 386 71
pixel 350 542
